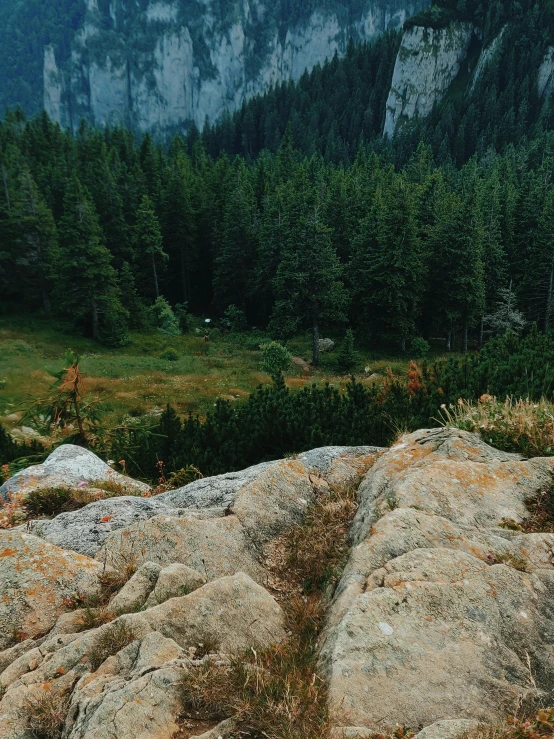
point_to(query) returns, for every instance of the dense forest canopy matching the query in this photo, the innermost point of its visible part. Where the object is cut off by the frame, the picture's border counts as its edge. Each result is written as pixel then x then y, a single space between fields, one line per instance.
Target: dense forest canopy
pixel 295 213
pixel 101 227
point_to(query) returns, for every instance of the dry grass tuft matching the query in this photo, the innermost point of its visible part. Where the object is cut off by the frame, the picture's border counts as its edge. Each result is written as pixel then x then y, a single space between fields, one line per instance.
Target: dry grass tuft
pixel 13 512
pixel 513 425
pixel 110 642
pixel 315 549
pixel 273 694
pixel 46 715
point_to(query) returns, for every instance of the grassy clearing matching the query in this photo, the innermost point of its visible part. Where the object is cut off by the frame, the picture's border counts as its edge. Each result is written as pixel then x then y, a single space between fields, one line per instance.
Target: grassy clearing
pixel 137 380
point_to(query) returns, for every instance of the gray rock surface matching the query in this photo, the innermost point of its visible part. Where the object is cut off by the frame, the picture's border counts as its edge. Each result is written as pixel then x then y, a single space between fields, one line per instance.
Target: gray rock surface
pixel 440 612
pixel 447 729
pixel 234 613
pixel 211 492
pixel 214 547
pixel 86 529
pixel 326 345
pixel 221 490
pixel 428 61
pixel 545 80
pixel 67 466
pixel 174 581
pixel 37 579
pixel 134 594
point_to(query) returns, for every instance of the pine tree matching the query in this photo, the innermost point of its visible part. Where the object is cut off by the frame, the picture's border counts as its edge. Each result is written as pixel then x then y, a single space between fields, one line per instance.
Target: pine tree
pixel 347 358
pixel 178 223
pixel 388 268
pixel 86 284
pixel 308 283
pixel 148 242
pixel 457 260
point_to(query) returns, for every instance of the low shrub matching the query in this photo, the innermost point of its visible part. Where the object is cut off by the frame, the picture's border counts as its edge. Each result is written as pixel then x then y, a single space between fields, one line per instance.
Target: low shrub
pixel 46 715
pixel 512 425
pixel 48 501
pixel 114 639
pixel 170 354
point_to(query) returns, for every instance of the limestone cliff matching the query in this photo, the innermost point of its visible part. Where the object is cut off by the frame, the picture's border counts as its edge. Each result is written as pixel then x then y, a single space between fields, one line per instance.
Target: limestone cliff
pixel 546 74
pixel 174 62
pixel 428 61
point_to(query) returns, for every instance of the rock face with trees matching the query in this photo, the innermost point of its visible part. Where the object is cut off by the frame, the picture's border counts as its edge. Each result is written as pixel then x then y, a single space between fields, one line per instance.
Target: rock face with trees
pixel 439 620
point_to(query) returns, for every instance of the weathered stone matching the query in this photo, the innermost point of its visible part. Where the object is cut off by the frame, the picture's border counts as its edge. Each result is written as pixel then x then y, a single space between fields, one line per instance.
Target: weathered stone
pixel 144 708
pixel 174 581
pixel 215 547
pixel 135 592
pixel 211 492
pixel 67 466
pixel 447 729
pixel 326 345
pixel 221 491
pixel 440 612
pixel 38 580
pixel 85 530
pixel 233 613
pixel 427 63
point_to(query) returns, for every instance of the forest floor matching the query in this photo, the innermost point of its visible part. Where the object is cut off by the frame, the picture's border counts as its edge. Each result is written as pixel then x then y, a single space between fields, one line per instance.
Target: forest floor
pixel 136 380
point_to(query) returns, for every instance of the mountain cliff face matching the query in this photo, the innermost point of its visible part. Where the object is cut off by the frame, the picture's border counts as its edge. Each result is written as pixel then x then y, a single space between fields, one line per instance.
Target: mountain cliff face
pixel 428 61
pixel 163 64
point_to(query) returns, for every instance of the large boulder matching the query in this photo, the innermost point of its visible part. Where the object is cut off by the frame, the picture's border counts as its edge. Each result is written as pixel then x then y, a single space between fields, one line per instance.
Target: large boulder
pixel 441 614
pixel 38 581
pixel 67 466
pixel 221 491
pixel 214 547
pixel 232 613
pixel 86 529
pixel 173 581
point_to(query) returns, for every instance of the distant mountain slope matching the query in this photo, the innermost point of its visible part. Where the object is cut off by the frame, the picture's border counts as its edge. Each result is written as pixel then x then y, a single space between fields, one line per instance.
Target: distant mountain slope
pixel 155 65
pixel 461 82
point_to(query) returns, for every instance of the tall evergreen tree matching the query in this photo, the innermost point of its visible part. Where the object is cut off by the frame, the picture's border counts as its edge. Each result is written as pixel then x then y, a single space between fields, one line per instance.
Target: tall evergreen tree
pixel 388 268
pixel 86 284
pixel 308 284
pixel 149 243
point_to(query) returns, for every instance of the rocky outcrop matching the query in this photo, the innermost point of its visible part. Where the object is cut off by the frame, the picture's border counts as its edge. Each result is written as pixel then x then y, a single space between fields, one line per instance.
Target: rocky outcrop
pixel 442 617
pixel 67 467
pixel 441 614
pixel 487 55
pixel 199 588
pixel 545 80
pixel 157 67
pixel 37 581
pixel 428 61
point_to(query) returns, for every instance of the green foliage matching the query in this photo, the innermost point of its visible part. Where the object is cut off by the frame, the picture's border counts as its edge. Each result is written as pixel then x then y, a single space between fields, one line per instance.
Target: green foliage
pixel 234 319
pixel 170 354
pixel 347 358
pixel 164 318
pixel 275 421
pixel 276 359
pixel 47 501
pixel 419 348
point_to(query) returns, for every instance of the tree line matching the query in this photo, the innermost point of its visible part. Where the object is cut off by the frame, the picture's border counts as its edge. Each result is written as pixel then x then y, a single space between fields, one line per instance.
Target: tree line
pixel 98 228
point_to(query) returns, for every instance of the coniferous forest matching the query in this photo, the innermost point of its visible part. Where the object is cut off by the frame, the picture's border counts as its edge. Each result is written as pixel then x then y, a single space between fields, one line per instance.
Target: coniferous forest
pixel 295 214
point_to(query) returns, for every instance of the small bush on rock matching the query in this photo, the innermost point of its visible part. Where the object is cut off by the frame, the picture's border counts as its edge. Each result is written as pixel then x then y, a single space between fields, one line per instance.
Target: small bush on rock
pixel 513 425
pixel 113 640
pixel 48 501
pixel 46 715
